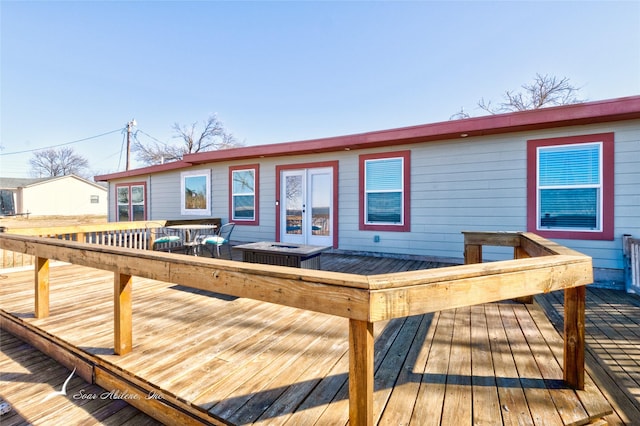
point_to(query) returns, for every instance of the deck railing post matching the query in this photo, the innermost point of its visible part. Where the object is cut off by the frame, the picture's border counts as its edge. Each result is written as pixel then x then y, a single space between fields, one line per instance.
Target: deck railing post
pixel 520 253
pixel 123 336
pixel 42 287
pixel 360 373
pixel 574 339
pixel 472 254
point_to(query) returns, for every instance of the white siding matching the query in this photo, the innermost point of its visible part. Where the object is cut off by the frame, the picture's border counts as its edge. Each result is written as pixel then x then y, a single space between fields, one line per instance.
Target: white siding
pixel 64 196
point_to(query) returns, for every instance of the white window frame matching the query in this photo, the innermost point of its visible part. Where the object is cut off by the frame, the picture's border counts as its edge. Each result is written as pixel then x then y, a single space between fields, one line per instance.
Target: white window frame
pixel 401 190
pixel 243 194
pixel 184 176
pixel 598 186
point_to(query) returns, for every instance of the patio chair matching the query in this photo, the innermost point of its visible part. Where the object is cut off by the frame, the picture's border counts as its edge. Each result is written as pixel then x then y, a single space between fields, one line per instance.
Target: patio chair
pixel 165 239
pixel 222 238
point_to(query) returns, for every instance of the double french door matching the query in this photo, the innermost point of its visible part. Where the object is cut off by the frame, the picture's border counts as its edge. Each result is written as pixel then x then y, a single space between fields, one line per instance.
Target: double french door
pixel 306 206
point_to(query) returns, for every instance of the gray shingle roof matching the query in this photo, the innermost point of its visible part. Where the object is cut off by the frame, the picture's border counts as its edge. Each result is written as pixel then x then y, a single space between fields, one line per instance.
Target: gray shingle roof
pixel 13 183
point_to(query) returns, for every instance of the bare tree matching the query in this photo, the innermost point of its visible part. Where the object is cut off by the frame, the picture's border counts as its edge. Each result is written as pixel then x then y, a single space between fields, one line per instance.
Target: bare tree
pixel 544 91
pixel 57 162
pixel 460 115
pixel 212 136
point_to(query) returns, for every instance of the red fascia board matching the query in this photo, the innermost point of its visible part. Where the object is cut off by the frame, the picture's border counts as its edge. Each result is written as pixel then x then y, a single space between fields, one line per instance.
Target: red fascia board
pixel 143 171
pixel 544 118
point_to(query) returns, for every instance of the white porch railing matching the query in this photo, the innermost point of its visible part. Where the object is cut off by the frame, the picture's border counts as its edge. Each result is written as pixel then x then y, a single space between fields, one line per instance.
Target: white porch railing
pixel 632 263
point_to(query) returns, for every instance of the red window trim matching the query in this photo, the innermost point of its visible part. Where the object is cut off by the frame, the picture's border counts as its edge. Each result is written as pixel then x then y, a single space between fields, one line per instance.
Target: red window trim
pixel 336 210
pixel 239 222
pixel 607 140
pixel 146 199
pixel 406 226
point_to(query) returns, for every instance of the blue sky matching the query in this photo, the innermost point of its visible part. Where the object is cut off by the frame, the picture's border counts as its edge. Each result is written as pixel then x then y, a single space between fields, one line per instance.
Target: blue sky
pixel 285 71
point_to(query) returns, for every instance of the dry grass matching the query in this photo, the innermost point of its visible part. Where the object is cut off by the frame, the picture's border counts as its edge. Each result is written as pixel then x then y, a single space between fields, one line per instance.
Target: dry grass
pixel 19 222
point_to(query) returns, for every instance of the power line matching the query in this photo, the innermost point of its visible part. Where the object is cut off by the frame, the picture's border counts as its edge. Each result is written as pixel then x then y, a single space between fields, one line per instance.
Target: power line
pixel 149 136
pixel 63 144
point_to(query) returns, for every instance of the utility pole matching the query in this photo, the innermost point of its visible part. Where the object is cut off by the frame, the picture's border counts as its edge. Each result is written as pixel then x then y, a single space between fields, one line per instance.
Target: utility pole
pixel 129 126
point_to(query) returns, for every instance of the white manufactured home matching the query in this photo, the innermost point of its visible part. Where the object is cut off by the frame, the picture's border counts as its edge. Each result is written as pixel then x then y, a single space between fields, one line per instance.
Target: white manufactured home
pixel 53 196
pixel 569 173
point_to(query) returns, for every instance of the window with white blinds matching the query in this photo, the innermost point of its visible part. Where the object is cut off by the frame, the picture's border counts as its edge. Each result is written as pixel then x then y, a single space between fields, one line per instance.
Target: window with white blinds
pixel 243 194
pixel 570 187
pixel 384 188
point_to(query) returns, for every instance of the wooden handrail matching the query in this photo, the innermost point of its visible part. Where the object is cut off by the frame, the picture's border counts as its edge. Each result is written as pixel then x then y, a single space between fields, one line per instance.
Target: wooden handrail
pixel 539 266
pixel 75 229
pixel 133 235
pixel 575 294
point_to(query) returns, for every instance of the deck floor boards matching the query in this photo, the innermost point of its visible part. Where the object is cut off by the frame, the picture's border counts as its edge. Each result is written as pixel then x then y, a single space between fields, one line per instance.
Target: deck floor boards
pixel 486 402
pixel 28 379
pixel 253 362
pixel 613 347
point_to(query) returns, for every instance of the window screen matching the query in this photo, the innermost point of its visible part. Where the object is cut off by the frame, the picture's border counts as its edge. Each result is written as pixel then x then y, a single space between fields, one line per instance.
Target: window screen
pixel 569 185
pixel 383 191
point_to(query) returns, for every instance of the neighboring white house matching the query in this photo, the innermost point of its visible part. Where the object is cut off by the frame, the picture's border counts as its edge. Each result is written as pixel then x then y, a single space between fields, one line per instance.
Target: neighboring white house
pixel 569 173
pixel 59 196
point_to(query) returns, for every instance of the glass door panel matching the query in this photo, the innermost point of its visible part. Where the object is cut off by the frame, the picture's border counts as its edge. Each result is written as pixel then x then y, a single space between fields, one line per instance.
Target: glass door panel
pixel 123 203
pixel 321 212
pixel 294 207
pixel 307 211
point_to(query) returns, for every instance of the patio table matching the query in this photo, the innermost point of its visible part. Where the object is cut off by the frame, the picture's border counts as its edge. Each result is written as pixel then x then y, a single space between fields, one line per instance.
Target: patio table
pixel 191 235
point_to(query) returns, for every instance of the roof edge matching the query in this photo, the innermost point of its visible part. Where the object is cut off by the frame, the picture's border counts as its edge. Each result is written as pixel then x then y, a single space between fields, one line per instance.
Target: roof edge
pixel 144 171
pixel 609 110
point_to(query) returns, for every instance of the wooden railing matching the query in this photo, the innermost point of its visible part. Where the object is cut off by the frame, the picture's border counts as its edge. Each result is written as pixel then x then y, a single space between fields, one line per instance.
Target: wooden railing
pixel 539 266
pixel 135 235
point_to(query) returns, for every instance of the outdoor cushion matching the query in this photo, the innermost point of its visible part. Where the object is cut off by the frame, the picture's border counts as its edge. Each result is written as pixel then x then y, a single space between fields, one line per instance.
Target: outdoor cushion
pixel 214 240
pixel 167 239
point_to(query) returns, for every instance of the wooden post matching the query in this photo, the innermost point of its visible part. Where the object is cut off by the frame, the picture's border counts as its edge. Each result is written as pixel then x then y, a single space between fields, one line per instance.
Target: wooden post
pixel 520 253
pixel 123 337
pixel 42 287
pixel 574 340
pixel 472 254
pixel 360 373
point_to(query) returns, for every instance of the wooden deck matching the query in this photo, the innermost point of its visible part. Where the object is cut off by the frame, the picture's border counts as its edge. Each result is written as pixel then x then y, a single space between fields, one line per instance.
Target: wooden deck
pixel 613 347
pixel 224 360
pixel 29 379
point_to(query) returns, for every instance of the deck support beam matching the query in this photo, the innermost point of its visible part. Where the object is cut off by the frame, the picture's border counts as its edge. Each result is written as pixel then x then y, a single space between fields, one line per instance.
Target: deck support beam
pixel 360 373
pixel 574 338
pixel 41 287
pixel 123 335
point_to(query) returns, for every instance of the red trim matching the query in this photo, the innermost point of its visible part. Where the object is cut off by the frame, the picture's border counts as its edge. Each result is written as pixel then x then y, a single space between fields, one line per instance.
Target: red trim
pixel 175 165
pixel 406 226
pixel 300 166
pixel 607 232
pixel 146 199
pixel 256 168
pixel 544 118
